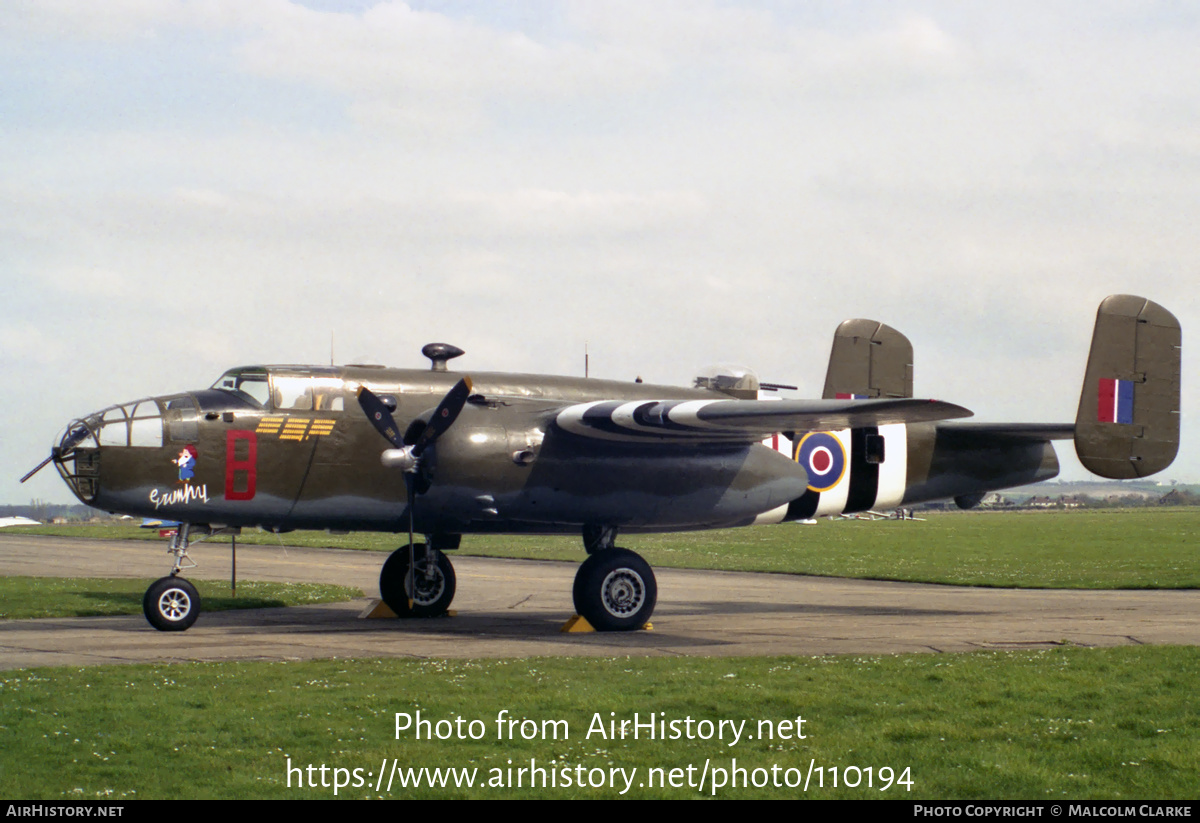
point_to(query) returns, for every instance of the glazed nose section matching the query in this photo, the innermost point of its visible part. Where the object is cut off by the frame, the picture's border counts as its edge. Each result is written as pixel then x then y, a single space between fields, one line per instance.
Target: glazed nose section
pixel 76 455
pixel 64 446
pixel 75 434
pixel 111 434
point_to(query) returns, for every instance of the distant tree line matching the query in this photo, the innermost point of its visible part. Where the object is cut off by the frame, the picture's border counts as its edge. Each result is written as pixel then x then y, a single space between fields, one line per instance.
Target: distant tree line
pixel 1179 497
pixel 1175 497
pixel 1130 500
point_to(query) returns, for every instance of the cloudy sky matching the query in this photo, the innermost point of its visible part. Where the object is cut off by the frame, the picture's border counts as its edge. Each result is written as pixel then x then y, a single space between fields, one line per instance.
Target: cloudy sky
pixel 187 185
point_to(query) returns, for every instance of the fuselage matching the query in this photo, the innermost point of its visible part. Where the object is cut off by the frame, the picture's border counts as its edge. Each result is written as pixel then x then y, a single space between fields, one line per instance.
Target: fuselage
pixel 286 447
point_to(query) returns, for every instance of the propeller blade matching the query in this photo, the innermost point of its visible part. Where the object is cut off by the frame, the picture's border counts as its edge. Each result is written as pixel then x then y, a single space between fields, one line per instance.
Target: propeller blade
pixel 405 456
pixel 444 415
pixel 379 416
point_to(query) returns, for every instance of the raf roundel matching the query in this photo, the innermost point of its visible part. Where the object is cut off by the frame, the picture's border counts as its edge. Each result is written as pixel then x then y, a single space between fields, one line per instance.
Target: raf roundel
pixel 824 458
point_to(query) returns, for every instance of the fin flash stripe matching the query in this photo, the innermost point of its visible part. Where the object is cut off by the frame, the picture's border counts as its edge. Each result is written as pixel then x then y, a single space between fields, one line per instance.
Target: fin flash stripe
pixel 1115 401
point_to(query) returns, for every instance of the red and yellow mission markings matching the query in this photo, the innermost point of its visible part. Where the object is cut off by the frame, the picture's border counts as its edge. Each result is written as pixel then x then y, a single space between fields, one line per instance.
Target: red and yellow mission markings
pixel 295 428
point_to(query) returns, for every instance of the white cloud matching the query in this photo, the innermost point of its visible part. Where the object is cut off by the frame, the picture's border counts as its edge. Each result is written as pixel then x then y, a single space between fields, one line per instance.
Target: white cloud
pixel 400 64
pixel 27 343
pixel 676 183
pixel 117 20
pixel 540 212
pixel 120 19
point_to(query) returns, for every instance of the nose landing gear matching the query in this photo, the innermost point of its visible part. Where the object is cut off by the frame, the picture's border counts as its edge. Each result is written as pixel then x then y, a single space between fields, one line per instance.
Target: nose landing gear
pixel 171 604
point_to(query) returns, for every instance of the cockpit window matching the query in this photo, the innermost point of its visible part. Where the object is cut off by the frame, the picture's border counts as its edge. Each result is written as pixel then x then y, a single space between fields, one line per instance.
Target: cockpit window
pixel 247 384
pixel 306 393
pixel 328 394
pixel 293 393
pixel 284 392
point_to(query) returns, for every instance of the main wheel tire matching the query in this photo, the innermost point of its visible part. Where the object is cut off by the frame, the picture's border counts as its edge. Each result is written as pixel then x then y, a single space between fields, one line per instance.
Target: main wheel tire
pixel 433 593
pixel 171 604
pixel 615 590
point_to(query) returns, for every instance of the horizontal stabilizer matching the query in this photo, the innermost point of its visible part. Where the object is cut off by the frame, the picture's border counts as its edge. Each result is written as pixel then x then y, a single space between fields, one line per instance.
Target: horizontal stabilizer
pixel 741 421
pixel 1009 431
pixel 1128 420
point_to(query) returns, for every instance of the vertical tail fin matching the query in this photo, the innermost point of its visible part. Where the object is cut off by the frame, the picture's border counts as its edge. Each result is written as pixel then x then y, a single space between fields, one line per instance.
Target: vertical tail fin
pixel 869 359
pixel 1128 420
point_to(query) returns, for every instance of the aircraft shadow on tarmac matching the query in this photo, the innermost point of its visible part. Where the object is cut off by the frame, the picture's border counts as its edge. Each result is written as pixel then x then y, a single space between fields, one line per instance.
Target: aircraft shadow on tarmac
pixel 517 624
pixel 719 607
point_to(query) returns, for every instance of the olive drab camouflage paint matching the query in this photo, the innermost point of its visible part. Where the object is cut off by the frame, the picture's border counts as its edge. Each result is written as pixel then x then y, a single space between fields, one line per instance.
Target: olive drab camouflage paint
pixel 435 452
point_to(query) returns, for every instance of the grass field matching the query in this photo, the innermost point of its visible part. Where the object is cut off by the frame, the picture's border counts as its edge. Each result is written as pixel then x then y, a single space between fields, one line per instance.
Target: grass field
pixel 1068 723
pixel 1112 548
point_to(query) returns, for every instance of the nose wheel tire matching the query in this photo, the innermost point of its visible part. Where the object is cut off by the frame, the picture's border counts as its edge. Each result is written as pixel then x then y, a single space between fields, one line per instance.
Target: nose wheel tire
pixel 434 589
pixel 615 590
pixel 171 604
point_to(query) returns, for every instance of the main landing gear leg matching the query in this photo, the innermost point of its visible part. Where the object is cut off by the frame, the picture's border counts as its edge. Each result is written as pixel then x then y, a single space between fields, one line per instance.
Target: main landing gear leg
pixel 172 604
pixel 432 589
pixel 615 589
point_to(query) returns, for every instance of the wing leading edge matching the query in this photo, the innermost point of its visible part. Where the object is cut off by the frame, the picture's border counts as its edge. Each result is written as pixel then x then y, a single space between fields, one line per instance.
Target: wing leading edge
pixel 740 421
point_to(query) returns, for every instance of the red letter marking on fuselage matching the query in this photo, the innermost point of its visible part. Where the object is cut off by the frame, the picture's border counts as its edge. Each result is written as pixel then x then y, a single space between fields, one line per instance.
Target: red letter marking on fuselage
pixel 249 465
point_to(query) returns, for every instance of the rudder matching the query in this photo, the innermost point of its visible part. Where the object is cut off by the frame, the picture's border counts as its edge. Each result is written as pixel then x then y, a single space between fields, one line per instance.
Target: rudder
pixel 1127 425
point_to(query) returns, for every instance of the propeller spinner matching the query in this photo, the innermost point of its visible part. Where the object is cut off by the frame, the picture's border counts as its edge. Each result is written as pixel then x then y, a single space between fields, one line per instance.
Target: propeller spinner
pixel 407 457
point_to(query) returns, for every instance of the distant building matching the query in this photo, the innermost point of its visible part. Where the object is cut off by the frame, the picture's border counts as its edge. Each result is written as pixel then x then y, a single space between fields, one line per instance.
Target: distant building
pixel 1176 497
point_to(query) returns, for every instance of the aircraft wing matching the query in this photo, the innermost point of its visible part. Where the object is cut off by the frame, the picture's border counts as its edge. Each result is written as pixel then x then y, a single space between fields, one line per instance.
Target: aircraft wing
pixel 1009 431
pixel 740 421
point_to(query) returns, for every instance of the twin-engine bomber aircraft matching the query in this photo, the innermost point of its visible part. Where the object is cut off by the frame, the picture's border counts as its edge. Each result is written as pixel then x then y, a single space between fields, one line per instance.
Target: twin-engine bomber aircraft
pixel 298 447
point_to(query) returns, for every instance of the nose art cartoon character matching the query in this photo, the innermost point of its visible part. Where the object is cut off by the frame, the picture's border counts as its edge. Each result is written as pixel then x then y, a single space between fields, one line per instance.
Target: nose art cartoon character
pixel 186 461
